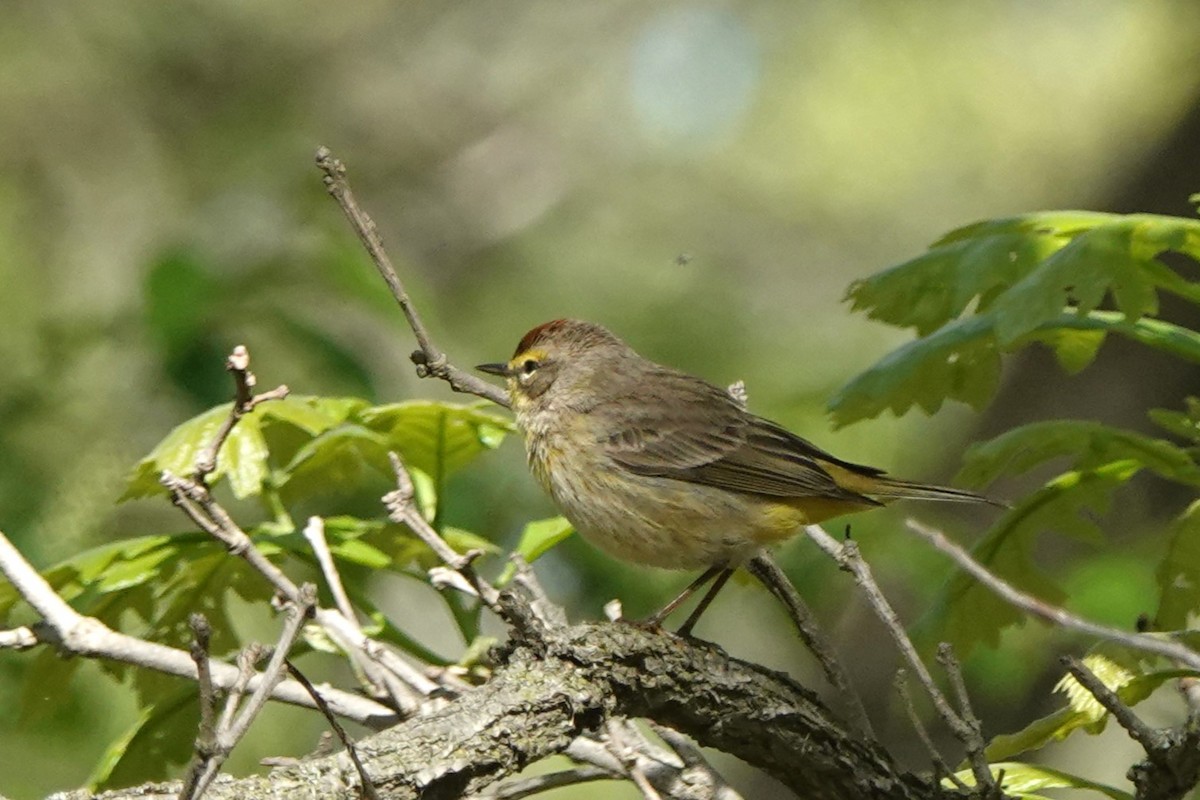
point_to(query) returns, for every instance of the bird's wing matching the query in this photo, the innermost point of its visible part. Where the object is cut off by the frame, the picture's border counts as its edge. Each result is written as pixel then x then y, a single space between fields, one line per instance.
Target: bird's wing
pixel 690 430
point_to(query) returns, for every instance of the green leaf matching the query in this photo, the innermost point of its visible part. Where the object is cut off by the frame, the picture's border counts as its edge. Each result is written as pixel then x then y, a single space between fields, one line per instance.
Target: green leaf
pixel 1116 670
pixel 995 286
pixel 242 458
pixel 202 583
pixel 1080 275
pixel 176 453
pixel 961 361
pixel 478 652
pixel 1026 268
pixel 313 415
pixel 1023 780
pixel 973 263
pixel 958 362
pixel 339 459
pixel 379 545
pixel 163 736
pixel 1184 424
pixel 112 567
pixel 537 538
pixel 464 541
pixel 968 613
pixel 437 438
pixel 1179 574
pixel 1074 349
pixel 1059 224
pixel 1037 734
pixel 1086 444
pixel 356 551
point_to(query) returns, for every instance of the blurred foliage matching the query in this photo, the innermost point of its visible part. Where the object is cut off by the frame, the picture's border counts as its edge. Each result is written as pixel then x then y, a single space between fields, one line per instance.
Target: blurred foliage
pixel 1017 275
pixel 327 443
pixel 1090 260
pixel 523 163
pixel 1014 283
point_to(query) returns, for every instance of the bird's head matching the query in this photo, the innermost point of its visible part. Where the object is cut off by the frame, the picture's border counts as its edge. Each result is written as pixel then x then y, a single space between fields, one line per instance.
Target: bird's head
pixel 554 356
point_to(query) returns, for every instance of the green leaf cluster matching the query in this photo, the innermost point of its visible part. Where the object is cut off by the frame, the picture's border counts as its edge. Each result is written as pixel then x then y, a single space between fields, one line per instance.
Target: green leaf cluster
pixel 299 446
pixel 300 451
pixel 1065 281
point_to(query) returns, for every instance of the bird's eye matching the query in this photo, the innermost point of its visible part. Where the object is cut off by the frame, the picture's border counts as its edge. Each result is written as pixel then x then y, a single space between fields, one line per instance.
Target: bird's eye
pixel 529 366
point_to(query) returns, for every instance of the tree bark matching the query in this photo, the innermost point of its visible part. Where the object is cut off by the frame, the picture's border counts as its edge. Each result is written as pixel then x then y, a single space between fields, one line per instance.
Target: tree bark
pixel 554 684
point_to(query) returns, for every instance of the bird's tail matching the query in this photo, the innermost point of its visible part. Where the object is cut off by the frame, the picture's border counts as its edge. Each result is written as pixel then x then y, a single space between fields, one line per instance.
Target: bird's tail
pixel 887 489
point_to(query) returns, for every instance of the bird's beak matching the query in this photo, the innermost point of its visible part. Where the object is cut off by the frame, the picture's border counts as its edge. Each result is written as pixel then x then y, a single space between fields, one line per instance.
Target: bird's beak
pixel 494 369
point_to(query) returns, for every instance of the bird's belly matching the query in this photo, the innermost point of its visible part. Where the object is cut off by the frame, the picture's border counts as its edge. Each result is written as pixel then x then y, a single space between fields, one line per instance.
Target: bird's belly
pixel 667 523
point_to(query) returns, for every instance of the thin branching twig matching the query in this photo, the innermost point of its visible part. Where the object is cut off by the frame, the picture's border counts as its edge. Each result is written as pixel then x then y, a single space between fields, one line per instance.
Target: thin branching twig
pixel 847 556
pixel 244 401
pixel 366 786
pixel 404 511
pixel 940 767
pixel 72 633
pixel 764 567
pixel 972 728
pixel 1150 739
pixel 216 741
pixel 430 361
pixel 1145 642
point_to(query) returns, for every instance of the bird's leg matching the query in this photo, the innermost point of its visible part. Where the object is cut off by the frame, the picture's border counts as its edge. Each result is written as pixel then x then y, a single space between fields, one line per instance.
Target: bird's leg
pixel 686 628
pixel 655 620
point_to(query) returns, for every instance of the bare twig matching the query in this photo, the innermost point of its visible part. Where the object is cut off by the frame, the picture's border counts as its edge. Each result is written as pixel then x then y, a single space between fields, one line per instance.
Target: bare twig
pixel 940 767
pixel 367 787
pixel 215 743
pixel 21 638
pixel 196 501
pixel 297 613
pixel 403 511
pixel 1145 642
pixel 238 364
pixel 247 659
pixel 618 740
pixel 71 632
pixel 764 567
pixel 430 361
pixel 193 499
pixel 1150 739
pixel 848 558
pixel 627 752
pixel 202 633
pixel 526 787
pixel 1189 689
pixel 209 756
pixel 549 613
pixel 973 741
pixel 314 534
pixel 206 737
pixel 696 766
pixel 379 667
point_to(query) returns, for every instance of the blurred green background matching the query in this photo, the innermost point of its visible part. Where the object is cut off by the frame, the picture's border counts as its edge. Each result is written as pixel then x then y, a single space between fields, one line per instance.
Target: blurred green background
pixel 703 177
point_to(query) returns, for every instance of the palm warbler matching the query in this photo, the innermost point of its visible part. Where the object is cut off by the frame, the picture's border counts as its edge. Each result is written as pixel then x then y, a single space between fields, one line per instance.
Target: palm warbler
pixel 658 467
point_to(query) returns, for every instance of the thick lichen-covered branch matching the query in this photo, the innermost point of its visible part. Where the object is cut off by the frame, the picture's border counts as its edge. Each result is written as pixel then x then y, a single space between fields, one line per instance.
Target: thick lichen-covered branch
pixel 564 682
